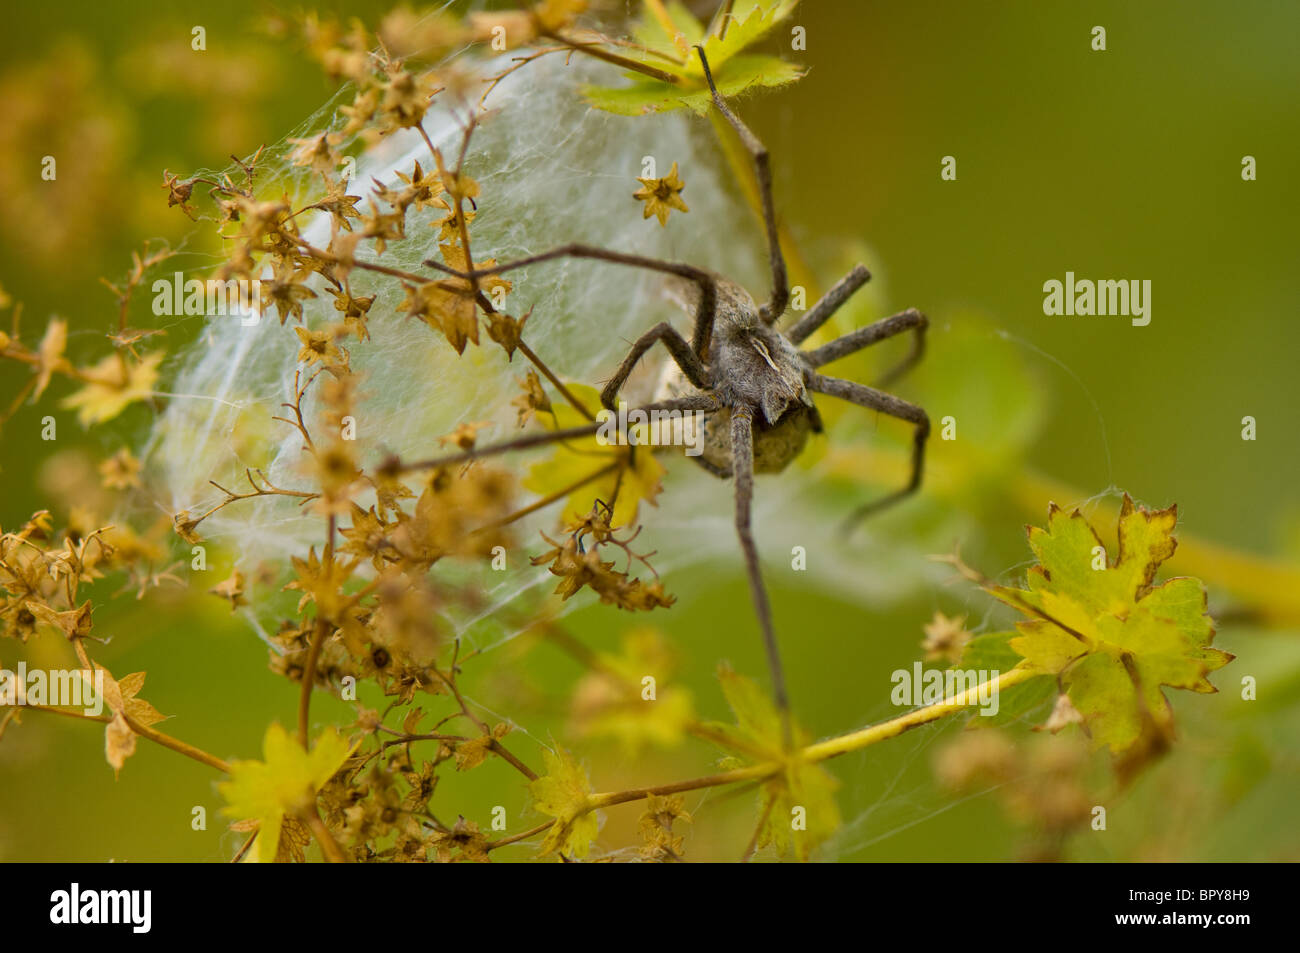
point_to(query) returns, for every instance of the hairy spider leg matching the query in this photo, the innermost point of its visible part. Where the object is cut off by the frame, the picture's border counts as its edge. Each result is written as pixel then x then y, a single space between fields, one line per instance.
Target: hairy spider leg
pixel 704 312
pixel 742 465
pixel 690 402
pixel 888 404
pixel 775 305
pixel 830 302
pixel 909 320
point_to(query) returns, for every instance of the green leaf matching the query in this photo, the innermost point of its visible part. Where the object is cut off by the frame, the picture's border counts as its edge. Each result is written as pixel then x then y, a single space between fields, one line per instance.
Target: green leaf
pixel 632 477
pixel 670 49
pixel 285 782
pixel 1110 635
pixel 650 96
pixel 797 806
pixel 751 20
pixel 563 794
pixel 649 31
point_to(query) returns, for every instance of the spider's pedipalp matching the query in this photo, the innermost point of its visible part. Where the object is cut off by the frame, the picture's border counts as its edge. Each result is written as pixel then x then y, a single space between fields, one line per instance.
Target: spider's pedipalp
pixel 681 352
pixel 830 303
pixel 896 407
pixel 843 346
pixel 775 307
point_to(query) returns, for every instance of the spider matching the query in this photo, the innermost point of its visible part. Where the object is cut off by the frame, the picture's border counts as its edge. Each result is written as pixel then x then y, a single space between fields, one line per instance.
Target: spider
pixel 751 379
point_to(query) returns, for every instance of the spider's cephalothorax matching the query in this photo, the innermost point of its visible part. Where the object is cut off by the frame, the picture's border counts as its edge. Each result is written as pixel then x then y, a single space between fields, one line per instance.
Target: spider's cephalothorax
pixel 751 366
pixel 754 382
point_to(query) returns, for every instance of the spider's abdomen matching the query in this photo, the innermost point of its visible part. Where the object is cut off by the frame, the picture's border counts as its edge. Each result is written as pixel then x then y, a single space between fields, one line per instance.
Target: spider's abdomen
pixel 775 445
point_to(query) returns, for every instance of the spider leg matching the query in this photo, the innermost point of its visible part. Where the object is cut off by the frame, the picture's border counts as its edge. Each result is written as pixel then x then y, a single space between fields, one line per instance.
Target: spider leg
pixel 775 306
pixel 888 404
pixel 704 312
pixel 686 359
pixel 829 304
pixel 909 320
pixel 742 461
pixel 692 402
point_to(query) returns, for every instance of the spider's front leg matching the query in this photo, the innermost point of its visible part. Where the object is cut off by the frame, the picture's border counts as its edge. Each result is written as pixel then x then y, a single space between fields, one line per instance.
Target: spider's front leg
pixel 888 404
pixel 830 302
pixel 775 306
pixel 821 312
pixel 706 308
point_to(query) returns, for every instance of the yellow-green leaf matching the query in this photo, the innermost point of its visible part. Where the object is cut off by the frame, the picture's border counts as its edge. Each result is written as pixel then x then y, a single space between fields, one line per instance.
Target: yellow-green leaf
pixel 114 385
pixel 284 782
pixel 650 96
pixel 630 478
pixel 612 702
pixel 1101 625
pixel 563 794
pixel 797 806
pixel 652 32
pixel 751 20
pixel 669 33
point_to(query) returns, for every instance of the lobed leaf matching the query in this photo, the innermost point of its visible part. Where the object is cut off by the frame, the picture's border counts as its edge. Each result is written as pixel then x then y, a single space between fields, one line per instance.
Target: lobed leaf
pixel 563 794
pixel 801 794
pixel 284 783
pixel 1111 637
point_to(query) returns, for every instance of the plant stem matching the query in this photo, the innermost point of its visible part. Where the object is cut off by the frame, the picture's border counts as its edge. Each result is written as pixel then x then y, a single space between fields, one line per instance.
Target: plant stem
pixel 518 765
pixel 157 737
pixel 538 363
pixel 239 855
pixel 333 853
pixel 67 713
pixel 181 747
pixel 855 740
pixel 623 61
pixel 523 835
pixel 752 772
pixel 548 500
pixel 309 678
pixel 824 750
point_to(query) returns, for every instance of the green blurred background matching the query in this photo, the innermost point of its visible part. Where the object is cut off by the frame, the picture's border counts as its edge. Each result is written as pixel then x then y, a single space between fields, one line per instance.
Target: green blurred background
pixel 1117 164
